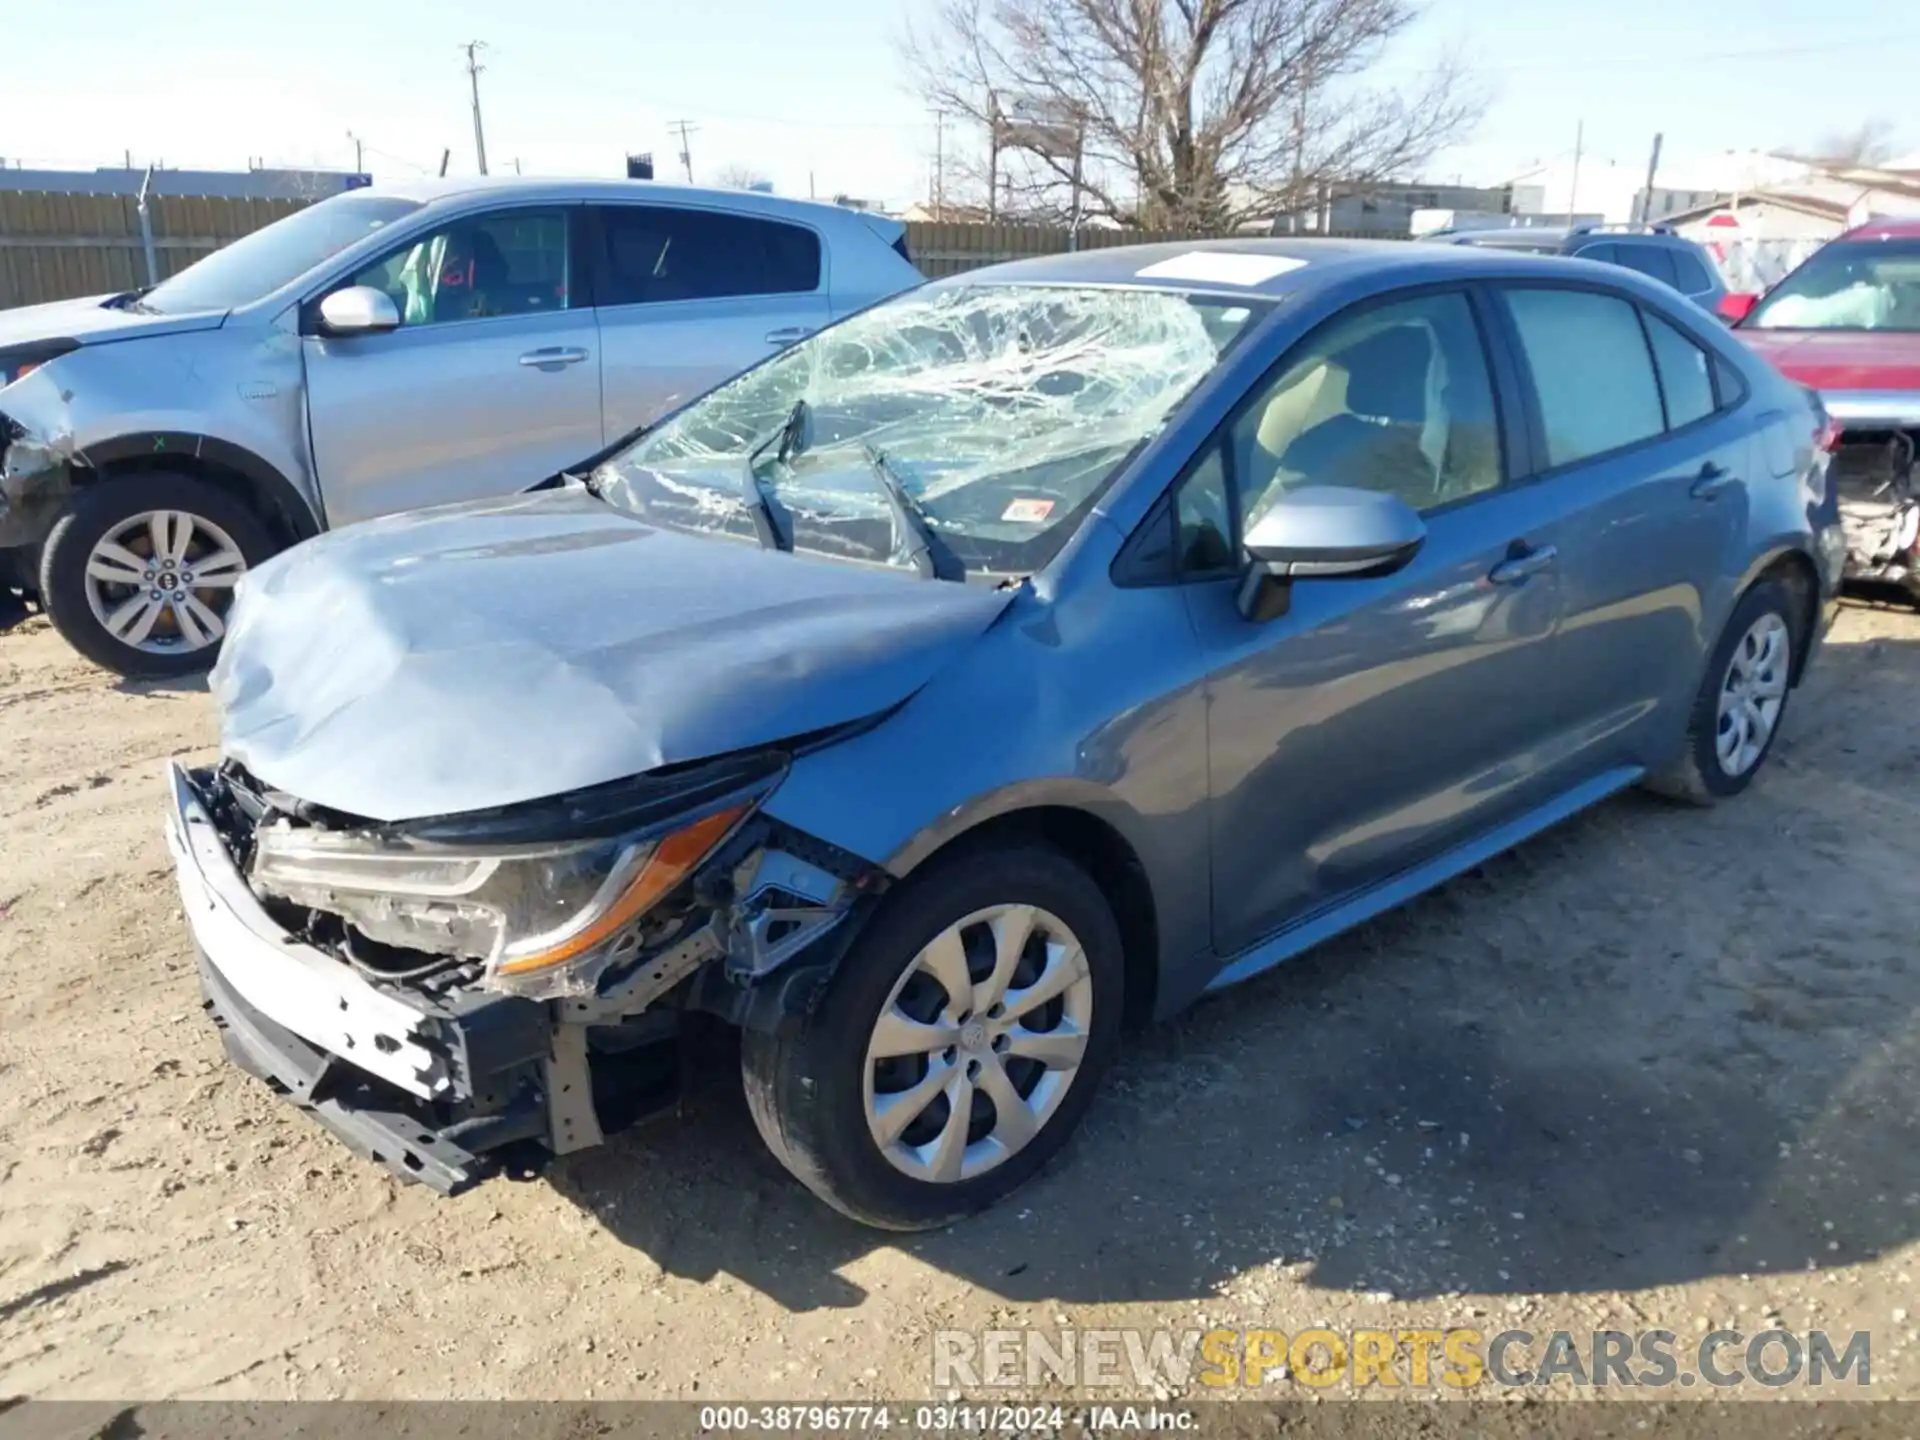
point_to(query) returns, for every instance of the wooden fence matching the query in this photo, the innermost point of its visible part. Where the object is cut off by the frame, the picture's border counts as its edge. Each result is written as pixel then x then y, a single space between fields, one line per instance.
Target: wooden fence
pixel 946 248
pixel 54 246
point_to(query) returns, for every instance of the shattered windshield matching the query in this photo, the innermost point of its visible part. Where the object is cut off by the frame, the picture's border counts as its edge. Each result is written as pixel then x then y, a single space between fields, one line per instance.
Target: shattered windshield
pixel 1859 285
pixel 994 415
pixel 258 264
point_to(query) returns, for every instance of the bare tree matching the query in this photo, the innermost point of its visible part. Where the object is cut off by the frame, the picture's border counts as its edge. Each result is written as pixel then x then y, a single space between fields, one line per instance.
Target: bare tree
pixel 1872 142
pixel 1191 113
pixel 739 177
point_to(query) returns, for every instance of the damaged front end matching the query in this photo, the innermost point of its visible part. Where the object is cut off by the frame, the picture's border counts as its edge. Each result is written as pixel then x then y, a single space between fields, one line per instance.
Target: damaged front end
pixel 37 450
pixel 1872 472
pixel 451 994
pixel 36 477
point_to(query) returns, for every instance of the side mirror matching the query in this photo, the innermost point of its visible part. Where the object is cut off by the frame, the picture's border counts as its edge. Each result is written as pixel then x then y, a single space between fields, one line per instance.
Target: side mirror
pixel 358 310
pixel 1325 531
pixel 1736 305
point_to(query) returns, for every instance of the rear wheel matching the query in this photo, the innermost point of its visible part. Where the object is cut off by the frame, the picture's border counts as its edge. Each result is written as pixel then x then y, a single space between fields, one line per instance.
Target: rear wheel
pixel 956 1047
pixel 1736 716
pixel 138 574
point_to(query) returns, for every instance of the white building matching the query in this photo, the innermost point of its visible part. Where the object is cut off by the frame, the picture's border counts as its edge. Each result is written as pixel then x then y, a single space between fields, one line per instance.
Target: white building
pixel 1758 235
pixel 1612 187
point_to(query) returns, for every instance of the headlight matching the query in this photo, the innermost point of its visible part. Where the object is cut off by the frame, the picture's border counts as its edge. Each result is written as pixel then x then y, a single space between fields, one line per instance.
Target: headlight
pixel 541 916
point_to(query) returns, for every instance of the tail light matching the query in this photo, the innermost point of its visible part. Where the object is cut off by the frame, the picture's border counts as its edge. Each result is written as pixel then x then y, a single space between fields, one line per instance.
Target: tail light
pixel 1827 435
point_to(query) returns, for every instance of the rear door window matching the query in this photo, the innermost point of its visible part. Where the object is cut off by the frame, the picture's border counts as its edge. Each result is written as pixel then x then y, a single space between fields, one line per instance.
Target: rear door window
pixel 1605 254
pixel 1686 372
pixel 653 254
pixel 1591 368
pixel 1653 261
pixel 1691 273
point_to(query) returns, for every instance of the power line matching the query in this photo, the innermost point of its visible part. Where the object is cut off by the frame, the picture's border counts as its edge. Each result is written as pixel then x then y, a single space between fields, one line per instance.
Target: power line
pixel 474 67
pixel 686 128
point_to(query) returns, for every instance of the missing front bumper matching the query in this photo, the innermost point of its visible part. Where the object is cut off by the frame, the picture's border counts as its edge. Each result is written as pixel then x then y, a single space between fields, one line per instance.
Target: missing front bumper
pixel 1874 483
pixel 374 1120
pixel 430 1088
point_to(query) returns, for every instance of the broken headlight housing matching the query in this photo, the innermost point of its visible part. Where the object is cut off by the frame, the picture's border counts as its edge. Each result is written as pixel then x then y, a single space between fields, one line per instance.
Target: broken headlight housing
pixel 543 917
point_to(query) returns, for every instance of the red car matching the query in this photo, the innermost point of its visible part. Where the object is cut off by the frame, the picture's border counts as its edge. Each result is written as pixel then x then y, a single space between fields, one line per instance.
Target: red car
pixel 1846 323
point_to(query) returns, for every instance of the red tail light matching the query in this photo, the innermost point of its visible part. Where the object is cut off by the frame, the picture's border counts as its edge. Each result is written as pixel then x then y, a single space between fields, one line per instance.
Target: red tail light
pixel 1827 437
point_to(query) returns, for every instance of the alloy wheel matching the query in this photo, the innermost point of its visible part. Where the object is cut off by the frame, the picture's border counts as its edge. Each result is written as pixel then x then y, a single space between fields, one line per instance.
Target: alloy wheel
pixel 978 1043
pixel 1752 693
pixel 162 581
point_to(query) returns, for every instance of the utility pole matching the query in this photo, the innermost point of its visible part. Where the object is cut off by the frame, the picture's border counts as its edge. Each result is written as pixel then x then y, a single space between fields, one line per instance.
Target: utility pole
pixel 1573 190
pixel 1653 168
pixel 474 67
pixel 686 128
pixel 358 167
pixel 939 164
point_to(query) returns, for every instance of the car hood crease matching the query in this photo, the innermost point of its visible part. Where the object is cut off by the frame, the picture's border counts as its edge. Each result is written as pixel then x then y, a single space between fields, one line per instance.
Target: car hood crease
pixel 489 654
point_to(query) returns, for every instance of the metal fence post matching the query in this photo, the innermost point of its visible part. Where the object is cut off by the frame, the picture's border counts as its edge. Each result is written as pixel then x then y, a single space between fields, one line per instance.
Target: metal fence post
pixel 146 229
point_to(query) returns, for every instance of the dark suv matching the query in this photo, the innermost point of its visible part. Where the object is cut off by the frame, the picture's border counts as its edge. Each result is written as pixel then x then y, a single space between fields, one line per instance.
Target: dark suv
pixel 1654 250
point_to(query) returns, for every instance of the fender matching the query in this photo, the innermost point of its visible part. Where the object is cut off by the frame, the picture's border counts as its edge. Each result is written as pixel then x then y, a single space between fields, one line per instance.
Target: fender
pixel 1063 792
pixel 281 494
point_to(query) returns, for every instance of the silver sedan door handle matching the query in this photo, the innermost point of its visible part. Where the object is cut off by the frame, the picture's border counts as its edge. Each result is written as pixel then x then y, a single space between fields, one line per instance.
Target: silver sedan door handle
pixel 1513 571
pixel 551 357
pixel 789 334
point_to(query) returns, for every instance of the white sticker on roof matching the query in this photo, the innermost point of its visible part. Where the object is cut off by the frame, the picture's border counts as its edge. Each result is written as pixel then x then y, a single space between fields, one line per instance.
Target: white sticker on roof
pixel 1220 267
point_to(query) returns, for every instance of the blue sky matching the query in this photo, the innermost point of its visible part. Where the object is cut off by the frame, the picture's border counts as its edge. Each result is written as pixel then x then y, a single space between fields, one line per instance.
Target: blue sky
pixel 799 90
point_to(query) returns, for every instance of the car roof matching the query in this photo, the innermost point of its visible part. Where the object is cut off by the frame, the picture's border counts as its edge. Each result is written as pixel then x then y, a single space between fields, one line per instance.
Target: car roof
pixel 561 188
pixel 1890 228
pixel 1184 265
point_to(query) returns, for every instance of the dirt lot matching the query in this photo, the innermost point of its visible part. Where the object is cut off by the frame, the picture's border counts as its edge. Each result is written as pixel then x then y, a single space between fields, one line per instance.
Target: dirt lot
pixel 1658 1068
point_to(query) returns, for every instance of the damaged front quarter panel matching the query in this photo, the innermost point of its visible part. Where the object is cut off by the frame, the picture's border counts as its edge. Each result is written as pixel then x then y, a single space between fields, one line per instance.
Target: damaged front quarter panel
pixel 36 467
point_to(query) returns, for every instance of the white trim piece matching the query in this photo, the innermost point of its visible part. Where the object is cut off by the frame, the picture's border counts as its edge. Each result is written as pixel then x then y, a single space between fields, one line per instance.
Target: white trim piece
pixel 1220 267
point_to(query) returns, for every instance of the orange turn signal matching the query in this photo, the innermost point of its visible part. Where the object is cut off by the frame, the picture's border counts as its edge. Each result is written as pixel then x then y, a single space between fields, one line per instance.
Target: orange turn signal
pixel 672 859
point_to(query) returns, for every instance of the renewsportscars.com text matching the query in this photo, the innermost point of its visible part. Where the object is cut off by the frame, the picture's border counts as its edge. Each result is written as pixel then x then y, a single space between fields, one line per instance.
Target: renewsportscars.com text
pixel 1458 1358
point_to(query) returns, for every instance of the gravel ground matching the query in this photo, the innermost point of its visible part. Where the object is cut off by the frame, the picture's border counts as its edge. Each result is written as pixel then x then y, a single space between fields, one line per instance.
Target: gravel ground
pixel 1654 1069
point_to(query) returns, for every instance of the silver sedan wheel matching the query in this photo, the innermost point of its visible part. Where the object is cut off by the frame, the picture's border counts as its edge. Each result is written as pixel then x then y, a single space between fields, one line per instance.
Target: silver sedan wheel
pixel 978 1043
pixel 1751 694
pixel 161 581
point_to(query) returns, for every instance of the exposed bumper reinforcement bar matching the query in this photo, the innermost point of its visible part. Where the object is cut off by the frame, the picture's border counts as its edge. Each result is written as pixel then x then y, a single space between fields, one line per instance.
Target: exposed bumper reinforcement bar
pixel 375 1121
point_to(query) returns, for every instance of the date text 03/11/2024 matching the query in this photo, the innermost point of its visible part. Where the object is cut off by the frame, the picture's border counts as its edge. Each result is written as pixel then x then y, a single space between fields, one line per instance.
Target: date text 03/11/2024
pixel 940 1418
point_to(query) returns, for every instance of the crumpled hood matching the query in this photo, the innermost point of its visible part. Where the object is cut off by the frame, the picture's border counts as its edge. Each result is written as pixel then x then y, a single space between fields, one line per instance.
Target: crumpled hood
pixel 1841 359
pixel 480 655
pixel 90 321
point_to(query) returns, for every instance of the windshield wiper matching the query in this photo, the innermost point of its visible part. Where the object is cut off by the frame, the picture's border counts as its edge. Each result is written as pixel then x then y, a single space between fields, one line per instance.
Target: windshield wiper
pixel 788 435
pixel 909 520
pixel 132 300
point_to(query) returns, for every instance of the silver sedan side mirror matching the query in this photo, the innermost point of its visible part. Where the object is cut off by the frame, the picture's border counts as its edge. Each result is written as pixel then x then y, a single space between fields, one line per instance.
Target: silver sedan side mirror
pixel 358 310
pixel 1325 531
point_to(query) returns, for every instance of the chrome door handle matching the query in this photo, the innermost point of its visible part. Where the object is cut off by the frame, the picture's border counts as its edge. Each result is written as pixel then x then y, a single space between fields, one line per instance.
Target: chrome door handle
pixel 788 334
pixel 1519 567
pixel 553 355
pixel 1711 480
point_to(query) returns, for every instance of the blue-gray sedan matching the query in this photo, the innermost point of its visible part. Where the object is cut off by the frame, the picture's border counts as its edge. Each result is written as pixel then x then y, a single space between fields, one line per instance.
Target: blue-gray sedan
pixel 1021 657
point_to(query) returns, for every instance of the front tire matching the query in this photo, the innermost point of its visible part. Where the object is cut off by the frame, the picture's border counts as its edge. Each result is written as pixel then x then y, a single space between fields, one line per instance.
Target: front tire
pixel 1737 714
pixel 956 1047
pixel 138 573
